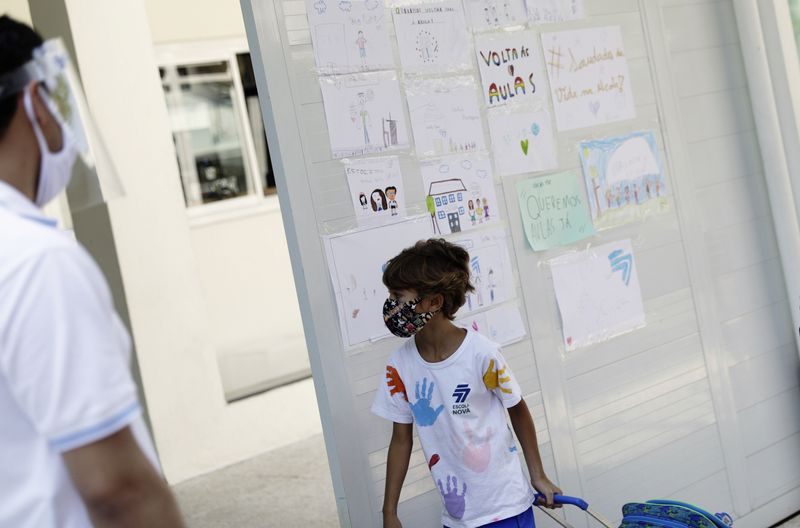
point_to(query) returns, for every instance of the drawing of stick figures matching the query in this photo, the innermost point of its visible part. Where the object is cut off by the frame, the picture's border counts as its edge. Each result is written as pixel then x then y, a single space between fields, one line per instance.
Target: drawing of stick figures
pixel 362 104
pixel 362 49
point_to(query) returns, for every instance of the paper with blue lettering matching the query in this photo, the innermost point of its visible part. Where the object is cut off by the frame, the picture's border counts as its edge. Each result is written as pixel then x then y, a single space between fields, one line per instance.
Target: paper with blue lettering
pixel 598 293
pixel 623 175
pixel 554 211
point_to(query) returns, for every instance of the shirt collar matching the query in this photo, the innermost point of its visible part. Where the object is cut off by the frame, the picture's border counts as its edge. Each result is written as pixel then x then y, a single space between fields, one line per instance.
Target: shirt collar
pixel 19 204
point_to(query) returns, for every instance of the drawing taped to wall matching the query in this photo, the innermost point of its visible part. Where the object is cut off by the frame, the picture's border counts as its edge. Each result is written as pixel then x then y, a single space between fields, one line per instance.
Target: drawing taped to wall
pixel 460 193
pixel 598 293
pixel 553 210
pixel 490 268
pixel 432 37
pixel 623 173
pixel 349 36
pixel 522 141
pixel 356 261
pixel 503 324
pixel 484 15
pixel 589 77
pixel 364 113
pixel 376 189
pixel 509 65
pixel 445 117
pixel 553 11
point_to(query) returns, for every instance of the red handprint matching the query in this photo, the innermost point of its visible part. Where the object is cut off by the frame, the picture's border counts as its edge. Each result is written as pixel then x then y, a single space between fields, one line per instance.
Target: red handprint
pixel 394 382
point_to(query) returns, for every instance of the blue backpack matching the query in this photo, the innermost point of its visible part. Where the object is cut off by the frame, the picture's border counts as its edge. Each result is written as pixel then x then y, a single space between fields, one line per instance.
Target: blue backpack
pixel 671 514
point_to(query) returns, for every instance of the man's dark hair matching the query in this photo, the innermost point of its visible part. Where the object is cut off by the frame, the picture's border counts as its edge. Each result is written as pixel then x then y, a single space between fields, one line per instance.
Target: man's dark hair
pixel 430 267
pixel 17 42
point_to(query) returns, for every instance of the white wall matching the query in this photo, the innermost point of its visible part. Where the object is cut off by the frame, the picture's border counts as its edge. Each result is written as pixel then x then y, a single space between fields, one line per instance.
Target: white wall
pixel 17 9
pixel 187 20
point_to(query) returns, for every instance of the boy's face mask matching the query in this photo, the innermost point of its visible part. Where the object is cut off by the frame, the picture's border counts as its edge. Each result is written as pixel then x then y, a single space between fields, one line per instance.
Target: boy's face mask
pixel 401 319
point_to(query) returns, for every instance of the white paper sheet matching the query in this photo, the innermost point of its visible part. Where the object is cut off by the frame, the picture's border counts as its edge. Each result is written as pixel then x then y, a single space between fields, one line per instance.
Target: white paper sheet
pixel 356 261
pixel 598 293
pixel 484 15
pixel 460 192
pixel 510 66
pixel 349 36
pixel 445 116
pixel 432 37
pixel 503 324
pixel 364 113
pixel 377 190
pixel 589 77
pixel 522 141
pixel 553 11
pixel 490 264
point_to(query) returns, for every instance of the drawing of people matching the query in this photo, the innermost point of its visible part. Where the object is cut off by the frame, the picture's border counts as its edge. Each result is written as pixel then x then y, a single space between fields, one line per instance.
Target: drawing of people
pixel 378 201
pixel 492 286
pixel 608 198
pixel 471 209
pixel 479 210
pixel 391 196
pixel 364 115
pixel 362 198
pixel 485 210
pixel 362 50
pixel 627 194
pixel 479 289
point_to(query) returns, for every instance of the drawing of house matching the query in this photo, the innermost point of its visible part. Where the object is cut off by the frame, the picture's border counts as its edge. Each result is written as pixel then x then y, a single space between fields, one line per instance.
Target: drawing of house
pixel 449 198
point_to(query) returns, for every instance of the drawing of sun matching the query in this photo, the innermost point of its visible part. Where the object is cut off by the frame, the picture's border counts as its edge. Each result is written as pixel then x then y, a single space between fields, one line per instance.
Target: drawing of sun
pixel 427 46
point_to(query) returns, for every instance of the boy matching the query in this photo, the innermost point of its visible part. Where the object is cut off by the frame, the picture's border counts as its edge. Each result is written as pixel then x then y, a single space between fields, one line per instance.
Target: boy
pixel 454 384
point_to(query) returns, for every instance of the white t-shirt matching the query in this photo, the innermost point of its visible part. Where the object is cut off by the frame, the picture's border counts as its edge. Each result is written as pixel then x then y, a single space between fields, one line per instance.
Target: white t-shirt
pixel 459 407
pixel 64 367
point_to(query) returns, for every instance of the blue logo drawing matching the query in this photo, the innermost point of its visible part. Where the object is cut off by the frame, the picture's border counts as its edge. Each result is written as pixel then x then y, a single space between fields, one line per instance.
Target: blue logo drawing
pixel 424 414
pixel 461 392
pixel 623 263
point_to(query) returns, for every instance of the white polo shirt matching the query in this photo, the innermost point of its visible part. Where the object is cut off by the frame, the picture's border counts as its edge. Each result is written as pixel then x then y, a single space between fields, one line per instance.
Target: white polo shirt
pixel 64 367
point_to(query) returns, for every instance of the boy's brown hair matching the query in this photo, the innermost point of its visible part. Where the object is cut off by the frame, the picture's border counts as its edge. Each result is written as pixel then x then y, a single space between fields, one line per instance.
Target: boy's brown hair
pixel 430 267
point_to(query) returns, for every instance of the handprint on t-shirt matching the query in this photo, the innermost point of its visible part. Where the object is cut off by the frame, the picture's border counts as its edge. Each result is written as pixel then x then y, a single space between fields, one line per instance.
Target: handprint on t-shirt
pixel 454 503
pixel 494 378
pixel 394 382
pixel 477 452
pixel 424 414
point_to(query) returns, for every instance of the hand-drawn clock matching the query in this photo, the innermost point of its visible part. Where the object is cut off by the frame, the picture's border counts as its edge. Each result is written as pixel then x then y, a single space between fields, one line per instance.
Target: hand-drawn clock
pixel 427 46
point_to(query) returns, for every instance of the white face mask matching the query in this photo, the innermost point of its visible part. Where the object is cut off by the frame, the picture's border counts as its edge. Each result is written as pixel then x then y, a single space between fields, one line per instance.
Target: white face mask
pixel 55 168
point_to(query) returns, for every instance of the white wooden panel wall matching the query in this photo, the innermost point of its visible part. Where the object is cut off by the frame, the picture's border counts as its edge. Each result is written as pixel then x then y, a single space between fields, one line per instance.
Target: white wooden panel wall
pixel 702 404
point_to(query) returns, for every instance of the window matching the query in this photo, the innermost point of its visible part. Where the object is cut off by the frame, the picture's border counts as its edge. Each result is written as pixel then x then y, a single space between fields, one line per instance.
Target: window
pixel 217 129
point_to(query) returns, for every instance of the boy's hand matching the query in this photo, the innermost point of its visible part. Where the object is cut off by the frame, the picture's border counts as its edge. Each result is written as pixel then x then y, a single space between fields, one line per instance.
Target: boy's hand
pixel 543 485
pixel 391 521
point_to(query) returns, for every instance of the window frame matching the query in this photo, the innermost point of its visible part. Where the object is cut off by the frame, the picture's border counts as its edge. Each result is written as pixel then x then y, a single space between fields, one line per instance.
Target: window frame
pixel 223 50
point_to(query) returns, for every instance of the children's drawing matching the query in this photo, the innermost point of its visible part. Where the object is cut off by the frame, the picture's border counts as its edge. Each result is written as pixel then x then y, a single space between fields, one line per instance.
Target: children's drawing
pixel 554 210
pixel 598 293
pixel 623 172
pixel 503 324
pixel 490 268
pixel 356 261
pixel 364 113
pixel 589 77
pixel 522 141
pixel 484 15
pixel 445 117
pixel 432 37
pixel 377 190
pixel 510 66
pixel 349 36
pixel 551 11
pixel 459 192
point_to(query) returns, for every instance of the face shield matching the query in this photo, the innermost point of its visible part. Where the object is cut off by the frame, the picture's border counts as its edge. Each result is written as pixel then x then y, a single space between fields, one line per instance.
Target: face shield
pixel 94 178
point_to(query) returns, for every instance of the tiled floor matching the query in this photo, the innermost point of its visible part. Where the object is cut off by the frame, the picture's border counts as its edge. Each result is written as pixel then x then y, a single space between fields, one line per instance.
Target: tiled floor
pixel 288 487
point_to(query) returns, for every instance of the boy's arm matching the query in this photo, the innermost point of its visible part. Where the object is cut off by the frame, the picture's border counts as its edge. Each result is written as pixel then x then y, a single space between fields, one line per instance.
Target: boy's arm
pixel 522 422
pixel 396 469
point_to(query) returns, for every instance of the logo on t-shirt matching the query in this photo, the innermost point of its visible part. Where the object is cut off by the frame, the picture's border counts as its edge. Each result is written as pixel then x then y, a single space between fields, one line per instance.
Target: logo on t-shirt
pixel 460 394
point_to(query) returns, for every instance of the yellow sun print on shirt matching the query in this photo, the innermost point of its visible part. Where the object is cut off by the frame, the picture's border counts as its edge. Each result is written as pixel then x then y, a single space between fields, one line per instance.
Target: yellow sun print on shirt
pixel 495 378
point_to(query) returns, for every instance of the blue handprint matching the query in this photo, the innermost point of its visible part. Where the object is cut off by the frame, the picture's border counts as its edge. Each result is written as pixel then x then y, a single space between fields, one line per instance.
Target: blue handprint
pixel 424 414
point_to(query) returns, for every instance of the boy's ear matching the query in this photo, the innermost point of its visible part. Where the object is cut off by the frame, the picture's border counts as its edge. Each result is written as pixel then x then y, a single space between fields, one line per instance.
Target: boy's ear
pixel 436 302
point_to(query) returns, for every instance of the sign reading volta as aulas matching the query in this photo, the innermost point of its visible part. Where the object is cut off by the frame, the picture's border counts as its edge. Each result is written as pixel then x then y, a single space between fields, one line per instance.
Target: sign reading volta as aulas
pixel 509 64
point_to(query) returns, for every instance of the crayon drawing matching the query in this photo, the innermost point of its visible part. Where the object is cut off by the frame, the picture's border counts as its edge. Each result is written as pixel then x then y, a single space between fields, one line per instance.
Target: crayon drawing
pixel 376 189
pixel 554 11
pixel 484 15
pixel 490 268
pixel 510 66
pixel 522 141
pixel 432 37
